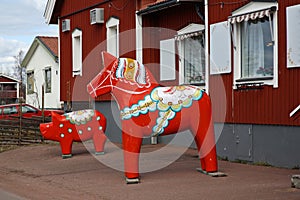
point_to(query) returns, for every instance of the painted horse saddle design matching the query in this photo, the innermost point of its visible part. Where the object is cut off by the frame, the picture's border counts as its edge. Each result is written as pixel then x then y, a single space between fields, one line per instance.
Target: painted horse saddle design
pixel 80 117
pixel 168 100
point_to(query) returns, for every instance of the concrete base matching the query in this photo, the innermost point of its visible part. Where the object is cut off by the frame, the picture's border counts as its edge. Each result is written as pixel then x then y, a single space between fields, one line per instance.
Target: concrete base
pixel 295 181
pixel 99 153
pixel 64 156
pixel 212 174
pixel 153 140
pixel 132 180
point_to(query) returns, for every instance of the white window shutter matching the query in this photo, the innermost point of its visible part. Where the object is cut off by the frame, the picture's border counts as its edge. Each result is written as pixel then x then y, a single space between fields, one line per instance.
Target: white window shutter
pixel 77 53
pixel 293 39
pixel 220 48
pixel 167 60
pixel 112 35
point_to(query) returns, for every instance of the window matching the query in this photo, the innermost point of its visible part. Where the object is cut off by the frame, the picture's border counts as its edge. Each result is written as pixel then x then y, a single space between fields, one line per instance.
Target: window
pixel 77 52
pixel 10 110
pixel 112 26
pixel 257 49
pixel 30 82
pixel 254 35
pixel 27 109
pixel 6 111
pixel 194 63
pixel 192 54
pixel 48 80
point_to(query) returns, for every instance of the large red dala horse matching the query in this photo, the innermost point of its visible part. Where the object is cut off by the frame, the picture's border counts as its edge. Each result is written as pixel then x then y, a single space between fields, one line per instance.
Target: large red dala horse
pixel 147 109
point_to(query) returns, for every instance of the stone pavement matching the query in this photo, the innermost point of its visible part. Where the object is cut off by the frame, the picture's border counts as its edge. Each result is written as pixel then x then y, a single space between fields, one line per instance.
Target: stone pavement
pixel 39 172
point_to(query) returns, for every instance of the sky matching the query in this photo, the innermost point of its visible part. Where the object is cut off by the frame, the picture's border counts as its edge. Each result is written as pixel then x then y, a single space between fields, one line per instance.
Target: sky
pixel 20 22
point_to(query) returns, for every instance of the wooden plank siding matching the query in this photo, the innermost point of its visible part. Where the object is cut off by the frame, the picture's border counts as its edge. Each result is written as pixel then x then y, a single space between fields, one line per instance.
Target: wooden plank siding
pixel 263 106
pixel 93 41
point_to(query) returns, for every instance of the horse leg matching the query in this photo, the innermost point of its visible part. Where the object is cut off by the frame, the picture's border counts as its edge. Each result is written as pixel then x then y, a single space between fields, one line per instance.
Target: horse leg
pixel 99 140
pixel 205 137
pixel 205 141
pixel 131 150
pixel 66 147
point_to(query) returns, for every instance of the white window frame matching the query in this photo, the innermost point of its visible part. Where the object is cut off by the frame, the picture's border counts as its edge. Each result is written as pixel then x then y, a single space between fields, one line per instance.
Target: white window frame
pixel 236 35
pixel 77 52
pixel 186 30
pixel 112 36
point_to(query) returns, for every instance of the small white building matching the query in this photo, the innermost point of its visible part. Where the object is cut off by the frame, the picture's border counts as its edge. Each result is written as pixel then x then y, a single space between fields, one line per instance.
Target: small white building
pixel 42 68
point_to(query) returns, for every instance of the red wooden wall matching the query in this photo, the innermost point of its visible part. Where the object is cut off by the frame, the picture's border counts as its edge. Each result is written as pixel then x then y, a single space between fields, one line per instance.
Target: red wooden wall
pixel 94 37
pixel 265 106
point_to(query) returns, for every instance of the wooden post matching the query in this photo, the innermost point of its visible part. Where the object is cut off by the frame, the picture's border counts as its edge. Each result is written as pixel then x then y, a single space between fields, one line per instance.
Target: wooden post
pixel 43 108
pixel 69 107
pixel 20 122
pixel 20 108
pixel 43 103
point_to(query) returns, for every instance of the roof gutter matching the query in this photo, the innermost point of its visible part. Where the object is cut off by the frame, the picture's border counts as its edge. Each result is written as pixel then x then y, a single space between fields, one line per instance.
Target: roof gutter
pixel 157 7
pixel 49 10
pixel 207 61
pixel 164 5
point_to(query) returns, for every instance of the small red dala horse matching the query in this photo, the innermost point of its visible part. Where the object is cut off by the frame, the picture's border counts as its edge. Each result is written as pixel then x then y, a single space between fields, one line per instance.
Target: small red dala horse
pixel 148 109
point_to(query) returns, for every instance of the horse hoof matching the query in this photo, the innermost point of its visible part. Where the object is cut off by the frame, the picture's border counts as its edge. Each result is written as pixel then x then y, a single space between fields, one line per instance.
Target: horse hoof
pixel 64 156
pixel 295 181
pixel 212 174
pixel 99 153
pixel 132 180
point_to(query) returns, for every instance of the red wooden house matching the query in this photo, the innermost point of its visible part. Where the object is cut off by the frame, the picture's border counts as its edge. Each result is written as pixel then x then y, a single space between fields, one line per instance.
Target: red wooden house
pixel 86 28
pixel 262 83
pixel 9 89
pixel 118 26
pixel 251 70
pixel 244 53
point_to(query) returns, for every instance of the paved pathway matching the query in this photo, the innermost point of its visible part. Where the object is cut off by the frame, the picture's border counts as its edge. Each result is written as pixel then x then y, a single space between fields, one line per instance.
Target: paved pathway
pixel 38 172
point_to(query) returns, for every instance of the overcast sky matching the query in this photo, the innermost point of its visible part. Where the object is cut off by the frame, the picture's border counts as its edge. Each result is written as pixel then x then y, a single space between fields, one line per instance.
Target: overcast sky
pixel 20 22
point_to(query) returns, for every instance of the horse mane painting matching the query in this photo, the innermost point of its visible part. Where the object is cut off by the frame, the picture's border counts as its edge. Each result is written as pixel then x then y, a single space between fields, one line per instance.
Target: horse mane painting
pixel 147 109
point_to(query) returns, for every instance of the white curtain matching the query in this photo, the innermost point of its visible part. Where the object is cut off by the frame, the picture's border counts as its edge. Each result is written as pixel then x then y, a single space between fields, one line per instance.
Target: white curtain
pixel 194 63
pixel 252 49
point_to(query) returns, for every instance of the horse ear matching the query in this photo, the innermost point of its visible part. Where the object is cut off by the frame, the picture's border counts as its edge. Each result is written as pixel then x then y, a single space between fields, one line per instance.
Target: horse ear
pixel 55 117
pixel 107 58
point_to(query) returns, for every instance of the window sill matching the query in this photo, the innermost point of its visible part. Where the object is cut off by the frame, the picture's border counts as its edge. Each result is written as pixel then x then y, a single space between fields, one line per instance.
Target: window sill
pixel 252 83
pixel 249 86
pixel 195 84
pixel 254 79
pixel 77 73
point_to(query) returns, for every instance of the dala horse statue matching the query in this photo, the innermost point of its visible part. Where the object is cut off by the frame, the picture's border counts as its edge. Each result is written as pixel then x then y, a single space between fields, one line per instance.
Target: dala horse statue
pixel 147 109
